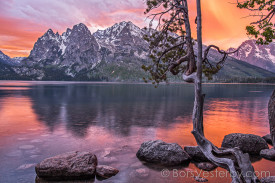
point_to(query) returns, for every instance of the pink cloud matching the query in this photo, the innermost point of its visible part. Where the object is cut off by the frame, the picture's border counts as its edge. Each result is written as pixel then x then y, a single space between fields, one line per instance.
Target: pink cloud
pixel 28 18
pixel 23 21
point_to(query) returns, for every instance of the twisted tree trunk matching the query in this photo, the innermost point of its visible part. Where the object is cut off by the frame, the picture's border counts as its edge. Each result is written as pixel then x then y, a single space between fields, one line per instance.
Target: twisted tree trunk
pixel 271 116
pixel 233 159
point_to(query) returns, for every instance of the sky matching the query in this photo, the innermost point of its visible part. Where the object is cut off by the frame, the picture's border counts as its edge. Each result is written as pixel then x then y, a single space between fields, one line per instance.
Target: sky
pixel 24 21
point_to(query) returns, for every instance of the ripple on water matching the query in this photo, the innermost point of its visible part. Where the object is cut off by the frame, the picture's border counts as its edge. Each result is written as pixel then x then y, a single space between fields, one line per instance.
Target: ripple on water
pixel 34 156
pixel 26 147
pixel 65 136
pixel 36 141
pixel 45 135
pixel 22 138
pixel 15 153
pixel 33 151
pixel 26 166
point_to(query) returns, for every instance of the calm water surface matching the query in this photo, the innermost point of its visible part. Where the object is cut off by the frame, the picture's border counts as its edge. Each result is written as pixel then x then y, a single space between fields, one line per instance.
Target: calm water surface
pixel 43 119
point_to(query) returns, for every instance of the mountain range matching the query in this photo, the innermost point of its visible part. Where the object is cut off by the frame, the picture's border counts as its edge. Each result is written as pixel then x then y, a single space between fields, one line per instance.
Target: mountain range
pixel 259 55
pixel 114 54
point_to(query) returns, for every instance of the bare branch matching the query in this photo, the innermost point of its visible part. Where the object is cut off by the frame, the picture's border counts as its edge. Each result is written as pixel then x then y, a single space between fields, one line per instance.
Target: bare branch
pixel 220 63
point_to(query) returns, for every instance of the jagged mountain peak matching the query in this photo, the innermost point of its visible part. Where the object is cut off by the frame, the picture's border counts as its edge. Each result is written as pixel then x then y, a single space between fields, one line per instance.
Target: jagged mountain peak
pixel 80 27
pixel 124 24
pixel 123 38
pixel 1 53
pixel 78 54
pixel 76 49
pixel 260 55
pixel 50 31
pixel 4 56
pixel 55 43
pixel 50 35
pixel 120 29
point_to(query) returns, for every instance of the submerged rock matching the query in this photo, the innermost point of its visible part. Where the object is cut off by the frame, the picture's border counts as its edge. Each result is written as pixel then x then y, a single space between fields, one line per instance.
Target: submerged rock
pixel 106 171
pixel 268 139
pixel 140 173
pixel 200 179
pixel 109 160
pixel 195 153
pixel 270 179
pixel 206 166
pixel 25 166
pixel 167 154
pixel 268 154
pixel 248 143
pixel 68 166
pixel 40 180
pixel 136 165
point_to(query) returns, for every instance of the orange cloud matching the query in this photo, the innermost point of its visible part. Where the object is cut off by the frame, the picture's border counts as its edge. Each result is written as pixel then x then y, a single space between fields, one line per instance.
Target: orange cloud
pixel 23 21
pixel 17 36
pixel 223 23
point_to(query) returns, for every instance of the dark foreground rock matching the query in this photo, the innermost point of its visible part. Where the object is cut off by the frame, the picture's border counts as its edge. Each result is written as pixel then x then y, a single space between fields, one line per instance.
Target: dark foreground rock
pixel 167 154
pixel 106 171
pixel 268 154
pixel 206 166
pixel 268 139
pixel 68 166
pixel 195 153
pixel 270 179
pixel 248 143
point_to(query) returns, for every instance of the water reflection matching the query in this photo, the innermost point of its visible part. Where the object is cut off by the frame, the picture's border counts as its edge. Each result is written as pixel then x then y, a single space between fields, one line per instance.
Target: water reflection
pixel 113 106
pixel 118 107
pixel 52 118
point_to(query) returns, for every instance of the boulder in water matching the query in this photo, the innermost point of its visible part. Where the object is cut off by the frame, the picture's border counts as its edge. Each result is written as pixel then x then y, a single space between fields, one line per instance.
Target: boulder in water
pixel 159 152
pixel 68 166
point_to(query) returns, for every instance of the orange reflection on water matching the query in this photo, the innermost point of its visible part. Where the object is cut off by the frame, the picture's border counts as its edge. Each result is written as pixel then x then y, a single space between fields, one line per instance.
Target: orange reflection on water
pixel 178 133
pixel 17 116
pixel 15 83
pixel 224 117
pixel 221 117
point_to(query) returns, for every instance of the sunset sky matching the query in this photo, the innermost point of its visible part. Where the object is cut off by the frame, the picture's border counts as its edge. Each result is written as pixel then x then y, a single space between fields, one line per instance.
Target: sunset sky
pixel 24 21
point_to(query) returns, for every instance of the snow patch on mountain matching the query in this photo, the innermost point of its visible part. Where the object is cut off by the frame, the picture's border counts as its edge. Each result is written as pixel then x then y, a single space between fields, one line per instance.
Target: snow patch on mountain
pixel 259 55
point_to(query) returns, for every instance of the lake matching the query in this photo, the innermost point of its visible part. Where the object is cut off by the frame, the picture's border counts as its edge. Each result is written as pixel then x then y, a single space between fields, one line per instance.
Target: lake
pixel 43 119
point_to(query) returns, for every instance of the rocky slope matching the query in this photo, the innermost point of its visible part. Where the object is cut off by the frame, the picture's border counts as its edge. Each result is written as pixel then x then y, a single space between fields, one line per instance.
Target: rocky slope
pixel 74 50
pixel 259 55
pixel 123 39
pixel 10 61
pixel 7 65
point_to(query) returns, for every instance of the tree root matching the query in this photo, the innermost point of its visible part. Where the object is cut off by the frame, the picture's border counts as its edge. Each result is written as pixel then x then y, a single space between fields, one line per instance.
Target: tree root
pixel 232 159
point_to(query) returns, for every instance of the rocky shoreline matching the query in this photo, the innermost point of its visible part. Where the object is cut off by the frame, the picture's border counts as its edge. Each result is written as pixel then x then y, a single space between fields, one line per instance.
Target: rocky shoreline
pixel 73 166
pixel 84 165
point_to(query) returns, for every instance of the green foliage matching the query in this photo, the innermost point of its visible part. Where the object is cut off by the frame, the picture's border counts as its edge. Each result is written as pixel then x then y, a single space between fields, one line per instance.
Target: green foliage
pixel 171 47
pixel 249 80
pixel 165 42
pixel 210 71
pixel 263 29
pixel 128 69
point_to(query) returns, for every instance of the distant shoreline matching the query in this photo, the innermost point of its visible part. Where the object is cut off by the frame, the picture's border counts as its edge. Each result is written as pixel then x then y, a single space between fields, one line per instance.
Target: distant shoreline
pixel 126 82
